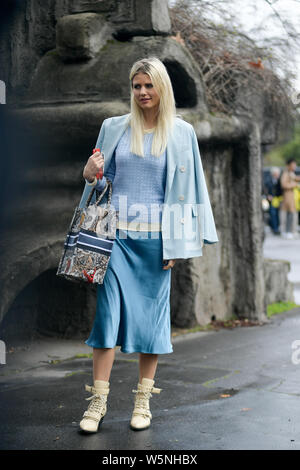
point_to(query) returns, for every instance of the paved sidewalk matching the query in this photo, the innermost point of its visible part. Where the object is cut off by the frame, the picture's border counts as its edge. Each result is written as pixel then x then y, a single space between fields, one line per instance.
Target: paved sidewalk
pixel 226 389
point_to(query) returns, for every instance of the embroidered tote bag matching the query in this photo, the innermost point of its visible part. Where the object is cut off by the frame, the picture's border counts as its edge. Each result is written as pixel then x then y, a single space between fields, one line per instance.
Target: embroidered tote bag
pixel 89 241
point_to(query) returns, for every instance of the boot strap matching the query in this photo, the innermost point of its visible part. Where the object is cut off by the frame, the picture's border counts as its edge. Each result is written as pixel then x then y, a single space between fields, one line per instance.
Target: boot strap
pixel 94 416
pixel 142 412
pixel 96 391
pixel 153 390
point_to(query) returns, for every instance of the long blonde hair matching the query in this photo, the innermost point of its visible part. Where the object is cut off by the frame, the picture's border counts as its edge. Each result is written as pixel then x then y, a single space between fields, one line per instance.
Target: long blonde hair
pixel 159 76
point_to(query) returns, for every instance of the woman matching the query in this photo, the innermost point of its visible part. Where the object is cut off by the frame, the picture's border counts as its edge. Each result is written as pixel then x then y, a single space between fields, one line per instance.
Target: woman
pixel 141 156
pixel 288 213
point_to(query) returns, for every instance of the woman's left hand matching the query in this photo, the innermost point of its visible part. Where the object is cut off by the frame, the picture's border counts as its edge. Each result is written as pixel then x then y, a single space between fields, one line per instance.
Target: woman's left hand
pixel 170 264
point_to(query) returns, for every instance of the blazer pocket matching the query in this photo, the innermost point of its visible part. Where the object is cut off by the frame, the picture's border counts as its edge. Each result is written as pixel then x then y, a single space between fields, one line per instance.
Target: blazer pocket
pixel 191 225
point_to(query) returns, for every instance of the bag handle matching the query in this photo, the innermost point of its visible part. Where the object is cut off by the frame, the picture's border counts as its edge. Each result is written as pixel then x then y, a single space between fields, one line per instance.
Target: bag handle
pixel 108 185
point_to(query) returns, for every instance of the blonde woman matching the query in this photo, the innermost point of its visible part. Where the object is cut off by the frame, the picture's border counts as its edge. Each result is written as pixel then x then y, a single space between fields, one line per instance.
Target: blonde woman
pixel 153 161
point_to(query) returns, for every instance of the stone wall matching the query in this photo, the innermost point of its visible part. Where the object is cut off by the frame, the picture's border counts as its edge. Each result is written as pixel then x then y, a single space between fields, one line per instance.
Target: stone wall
pixel 277 286
pixel 66 66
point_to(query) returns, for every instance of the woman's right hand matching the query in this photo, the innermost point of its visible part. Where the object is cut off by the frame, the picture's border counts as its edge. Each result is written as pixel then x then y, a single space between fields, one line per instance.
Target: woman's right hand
pixel 92 167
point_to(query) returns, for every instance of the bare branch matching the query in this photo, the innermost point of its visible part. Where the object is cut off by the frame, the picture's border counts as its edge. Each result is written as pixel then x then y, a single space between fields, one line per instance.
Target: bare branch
pixel 231 59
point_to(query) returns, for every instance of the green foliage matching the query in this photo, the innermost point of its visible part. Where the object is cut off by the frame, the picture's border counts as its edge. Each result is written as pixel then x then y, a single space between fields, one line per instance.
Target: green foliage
pixel 280 307
pixel 274 158
pixel 292 149
pixel 280 154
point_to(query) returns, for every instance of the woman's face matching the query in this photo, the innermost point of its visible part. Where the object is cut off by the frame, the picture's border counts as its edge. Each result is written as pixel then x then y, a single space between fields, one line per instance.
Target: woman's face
pixel 144 92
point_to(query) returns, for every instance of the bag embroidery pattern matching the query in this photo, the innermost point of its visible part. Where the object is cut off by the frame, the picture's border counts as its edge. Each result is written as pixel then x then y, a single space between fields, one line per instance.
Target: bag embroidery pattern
pixel 89 241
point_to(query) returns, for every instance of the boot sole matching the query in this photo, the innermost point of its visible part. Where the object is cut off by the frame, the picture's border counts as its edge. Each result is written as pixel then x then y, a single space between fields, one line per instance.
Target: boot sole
pixel 139 429
pixel 92 432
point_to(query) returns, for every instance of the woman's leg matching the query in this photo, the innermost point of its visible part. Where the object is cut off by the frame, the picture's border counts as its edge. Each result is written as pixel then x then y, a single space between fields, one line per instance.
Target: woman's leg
pixel 295 223
pixel 103 359
pixel 147 366
pixel 282 218
pixel 289 222
pixel 141 416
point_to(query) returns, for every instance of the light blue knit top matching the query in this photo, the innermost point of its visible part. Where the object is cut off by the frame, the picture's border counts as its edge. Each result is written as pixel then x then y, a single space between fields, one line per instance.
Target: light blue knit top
pixel 138 183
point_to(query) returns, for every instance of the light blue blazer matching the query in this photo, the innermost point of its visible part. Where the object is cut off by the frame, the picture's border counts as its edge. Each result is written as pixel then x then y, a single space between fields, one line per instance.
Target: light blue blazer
pixel 187 218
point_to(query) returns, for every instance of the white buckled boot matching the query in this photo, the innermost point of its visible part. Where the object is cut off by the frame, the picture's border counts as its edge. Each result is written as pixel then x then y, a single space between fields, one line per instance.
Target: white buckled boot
pixel 96 411
pixel 141 416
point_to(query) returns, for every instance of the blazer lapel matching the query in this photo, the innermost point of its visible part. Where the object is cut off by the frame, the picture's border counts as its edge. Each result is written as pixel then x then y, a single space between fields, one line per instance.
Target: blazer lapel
pixel 113 133
pixel 171 164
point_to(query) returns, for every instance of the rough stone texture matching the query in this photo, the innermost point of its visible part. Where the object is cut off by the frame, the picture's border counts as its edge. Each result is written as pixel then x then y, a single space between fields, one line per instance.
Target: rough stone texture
pixel 130 17
pixel 273 124
pixel 246 228
pixel 36 311
pixel 107 76
pixel 81 36
pixel 24 39
pixel 211 286
pixel 145 18
pixel 47 186
pixel 54 115
pixel 277 286
pixel 31 31
pixel 98 6
pixel 205 285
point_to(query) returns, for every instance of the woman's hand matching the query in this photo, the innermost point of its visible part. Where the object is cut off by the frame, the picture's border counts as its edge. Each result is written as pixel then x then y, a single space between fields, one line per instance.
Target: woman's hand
pixel 170 264
pixel 94 164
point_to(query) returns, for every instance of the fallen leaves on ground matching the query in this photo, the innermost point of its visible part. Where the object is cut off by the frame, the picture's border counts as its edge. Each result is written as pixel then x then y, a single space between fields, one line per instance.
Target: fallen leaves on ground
pixel 217 324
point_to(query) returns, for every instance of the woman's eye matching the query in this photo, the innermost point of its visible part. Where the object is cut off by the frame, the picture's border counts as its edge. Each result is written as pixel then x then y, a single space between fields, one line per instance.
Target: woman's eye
pixel 148 85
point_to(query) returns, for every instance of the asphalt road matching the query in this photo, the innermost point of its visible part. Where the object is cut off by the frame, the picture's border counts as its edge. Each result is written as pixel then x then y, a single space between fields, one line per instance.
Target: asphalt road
pixel 226 389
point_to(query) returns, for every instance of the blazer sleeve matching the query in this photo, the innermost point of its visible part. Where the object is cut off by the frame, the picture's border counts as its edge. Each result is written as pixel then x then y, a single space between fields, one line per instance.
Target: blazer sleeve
pixel 99 142
pixel 206 221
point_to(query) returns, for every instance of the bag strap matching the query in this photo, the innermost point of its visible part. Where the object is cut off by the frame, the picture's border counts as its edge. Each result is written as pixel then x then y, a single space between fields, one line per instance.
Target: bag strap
pixel 108 185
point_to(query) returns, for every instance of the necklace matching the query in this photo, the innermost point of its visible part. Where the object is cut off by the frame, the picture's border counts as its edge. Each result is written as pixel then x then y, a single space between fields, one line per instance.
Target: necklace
pixel 148 131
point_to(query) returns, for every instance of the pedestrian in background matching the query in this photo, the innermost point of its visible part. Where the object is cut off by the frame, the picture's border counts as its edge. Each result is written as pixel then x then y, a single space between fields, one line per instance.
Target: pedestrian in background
pixel 288 212
pixel 273 196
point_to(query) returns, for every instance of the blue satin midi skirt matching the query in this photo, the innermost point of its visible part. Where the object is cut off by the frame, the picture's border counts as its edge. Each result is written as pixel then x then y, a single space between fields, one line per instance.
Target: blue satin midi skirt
pixel 133 303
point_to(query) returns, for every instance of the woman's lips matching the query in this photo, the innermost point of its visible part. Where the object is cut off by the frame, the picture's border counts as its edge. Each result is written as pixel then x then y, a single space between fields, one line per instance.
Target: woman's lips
pixel 144 100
